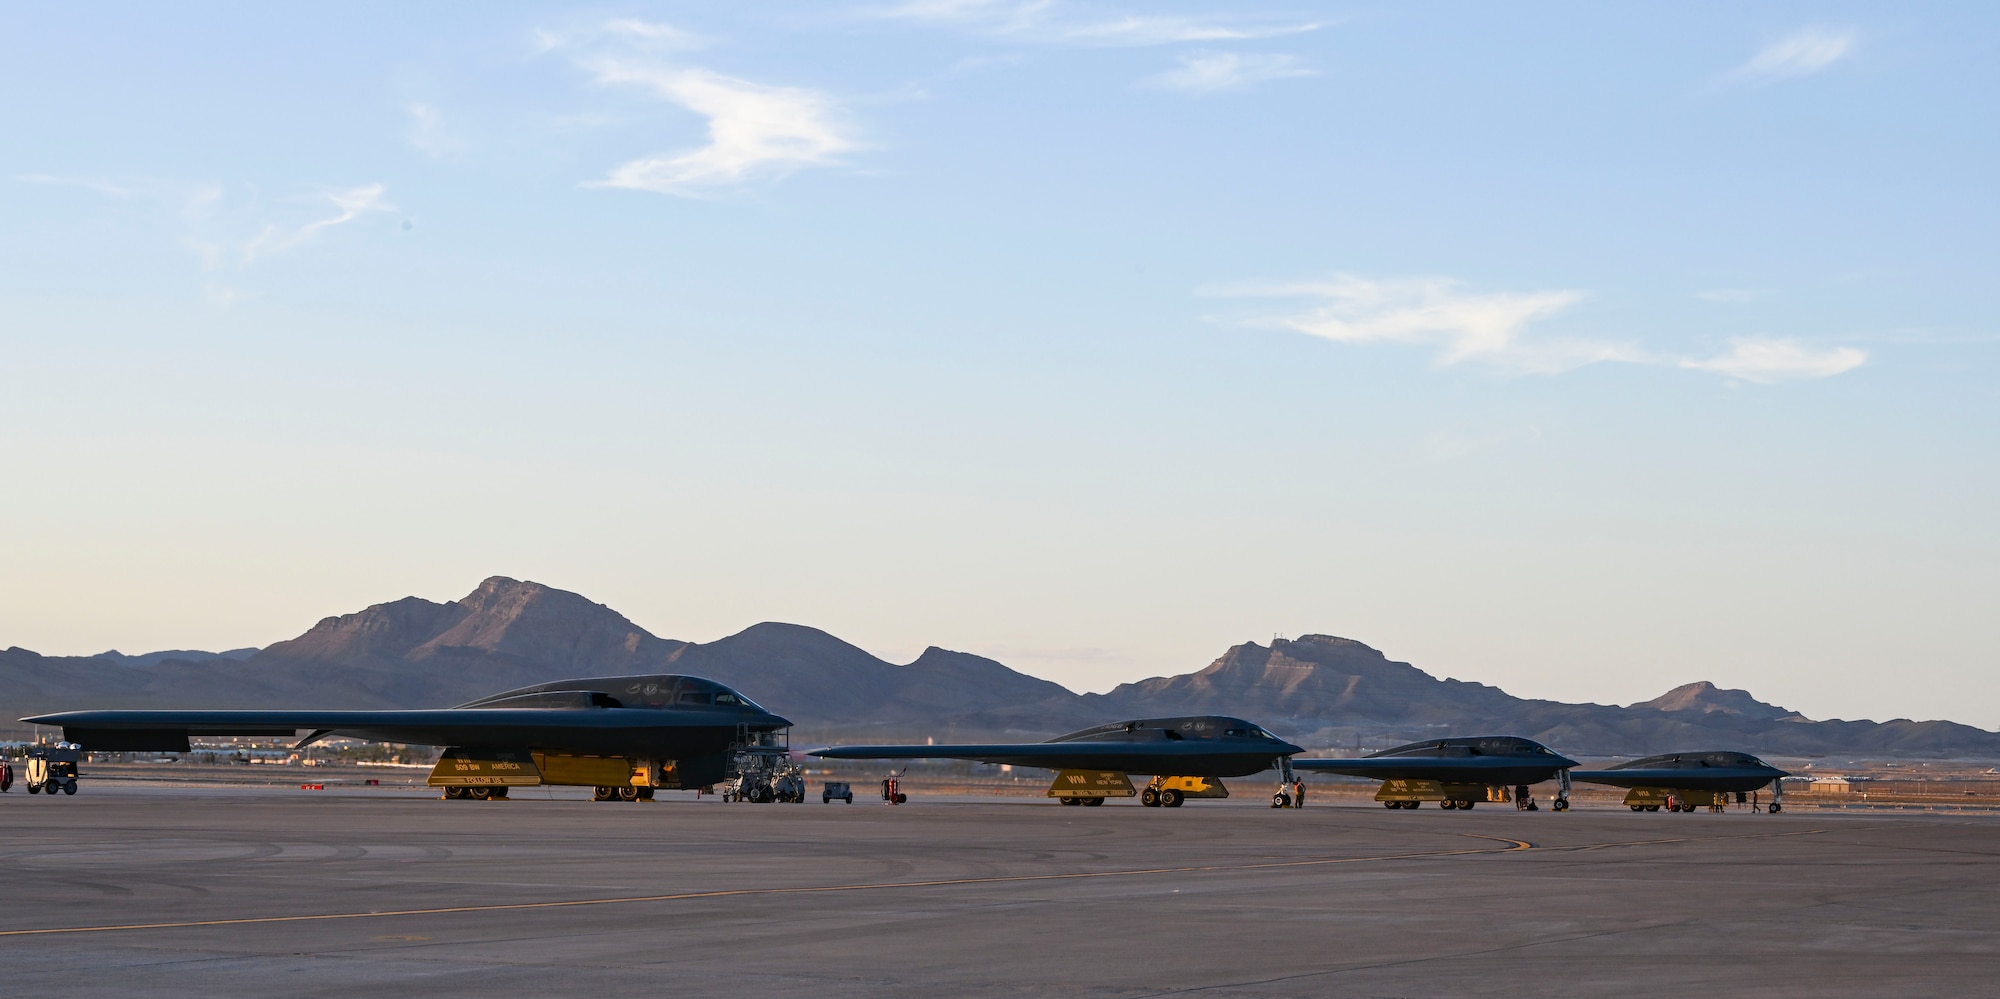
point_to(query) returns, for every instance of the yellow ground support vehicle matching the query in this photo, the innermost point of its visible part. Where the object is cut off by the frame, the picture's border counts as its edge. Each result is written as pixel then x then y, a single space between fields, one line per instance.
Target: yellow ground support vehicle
pixel 52 768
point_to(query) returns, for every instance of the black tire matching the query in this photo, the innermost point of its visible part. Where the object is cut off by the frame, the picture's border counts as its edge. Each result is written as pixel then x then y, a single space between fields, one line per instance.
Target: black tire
pixel 1560 804
pixel 480 793
pixel 628 793
pixel 1070 801
pixel 1093 802
pixel 1467 805
pixel 34 789
pixel 1776 808
pixel 1281 800
pixel 1149 798
pixel 1171 798
pixel 849 799
pixel 1392 804
pixel 1638 808
pixel 901 798
pixel 601 793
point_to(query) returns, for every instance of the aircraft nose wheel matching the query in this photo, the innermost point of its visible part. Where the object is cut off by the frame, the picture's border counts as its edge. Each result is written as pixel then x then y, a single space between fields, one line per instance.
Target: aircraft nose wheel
pixel 1776 808
pixel 1281 800
pixel 1560 805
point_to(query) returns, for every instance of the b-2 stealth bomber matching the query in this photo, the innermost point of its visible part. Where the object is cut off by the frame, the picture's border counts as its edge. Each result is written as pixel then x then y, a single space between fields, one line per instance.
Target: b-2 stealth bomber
pixel 1457 773
pixel 1681 781
pixel 1186 757
pixel 624 736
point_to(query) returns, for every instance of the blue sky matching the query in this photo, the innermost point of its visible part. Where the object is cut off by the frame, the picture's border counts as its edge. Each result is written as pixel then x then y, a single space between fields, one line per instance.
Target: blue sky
pixel 1585 351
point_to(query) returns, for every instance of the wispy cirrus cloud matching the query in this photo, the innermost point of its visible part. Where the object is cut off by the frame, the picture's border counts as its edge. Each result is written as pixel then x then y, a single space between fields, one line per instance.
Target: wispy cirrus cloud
pixel 347 205
pixel 1050 22
pixel 1494 328
pixel 1801 53
pixel 228 234
pixel 755 131
pixel 1765 360
pixel 427 132
pixel 104 187
pixel 1221 72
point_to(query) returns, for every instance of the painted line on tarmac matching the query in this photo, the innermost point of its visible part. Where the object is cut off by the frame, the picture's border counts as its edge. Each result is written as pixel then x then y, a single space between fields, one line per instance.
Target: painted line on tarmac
pixel 1512 845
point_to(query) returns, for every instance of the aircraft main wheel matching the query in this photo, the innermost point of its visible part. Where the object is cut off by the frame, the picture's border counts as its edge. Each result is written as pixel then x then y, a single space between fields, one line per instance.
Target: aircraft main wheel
pixel 1170 798
pixel 1149 798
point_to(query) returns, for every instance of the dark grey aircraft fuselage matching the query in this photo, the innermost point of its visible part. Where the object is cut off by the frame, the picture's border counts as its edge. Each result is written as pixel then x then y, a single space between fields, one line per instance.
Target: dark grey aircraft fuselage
pixel 1195 746
pixel 1703 771
pixel 649 717
pixel 1494 760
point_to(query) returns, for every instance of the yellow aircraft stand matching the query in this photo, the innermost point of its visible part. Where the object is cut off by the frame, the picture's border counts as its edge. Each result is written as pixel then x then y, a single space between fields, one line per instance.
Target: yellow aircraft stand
pixel 1090 787
pixel 1400 793
pixel 1650 799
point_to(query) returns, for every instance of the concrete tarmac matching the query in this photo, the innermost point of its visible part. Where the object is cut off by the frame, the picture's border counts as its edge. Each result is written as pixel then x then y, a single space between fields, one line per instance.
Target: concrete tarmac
pixel 179 891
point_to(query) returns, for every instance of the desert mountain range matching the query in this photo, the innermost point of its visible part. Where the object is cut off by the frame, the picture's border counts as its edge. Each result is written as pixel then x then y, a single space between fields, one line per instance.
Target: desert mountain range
pixel 1319 690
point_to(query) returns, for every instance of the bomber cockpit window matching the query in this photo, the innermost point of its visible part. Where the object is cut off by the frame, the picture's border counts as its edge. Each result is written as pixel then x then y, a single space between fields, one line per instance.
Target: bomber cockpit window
pixel 698 697
pixel 1235 732
pixel 727 698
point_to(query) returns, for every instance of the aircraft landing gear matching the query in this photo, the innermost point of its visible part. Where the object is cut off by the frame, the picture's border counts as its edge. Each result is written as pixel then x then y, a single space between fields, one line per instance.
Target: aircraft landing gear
pixel 1776 808
pixel 1291 791
pixel 1561 804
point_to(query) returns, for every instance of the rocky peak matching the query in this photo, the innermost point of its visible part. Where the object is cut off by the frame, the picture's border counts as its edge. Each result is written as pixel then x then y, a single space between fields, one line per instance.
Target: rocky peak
pixel 1703 697
pixel 381 631
pixel 537 623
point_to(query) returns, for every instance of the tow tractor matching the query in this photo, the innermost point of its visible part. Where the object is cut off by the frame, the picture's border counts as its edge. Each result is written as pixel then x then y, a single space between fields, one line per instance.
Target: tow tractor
pixel 53 768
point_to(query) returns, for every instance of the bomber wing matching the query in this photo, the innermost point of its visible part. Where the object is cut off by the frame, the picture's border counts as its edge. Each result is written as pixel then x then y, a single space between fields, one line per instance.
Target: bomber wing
pixel 169 731
pixel 1209 746
pixel 1191 759
pixel 1702 771
pixel 1477 760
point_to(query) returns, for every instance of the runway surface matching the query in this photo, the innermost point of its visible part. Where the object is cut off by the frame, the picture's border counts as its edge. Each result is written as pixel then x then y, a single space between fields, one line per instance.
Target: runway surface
pixel 178 891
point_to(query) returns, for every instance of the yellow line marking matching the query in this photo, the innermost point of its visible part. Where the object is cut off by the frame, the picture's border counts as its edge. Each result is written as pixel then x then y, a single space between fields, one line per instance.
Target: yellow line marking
pixel 1512 846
